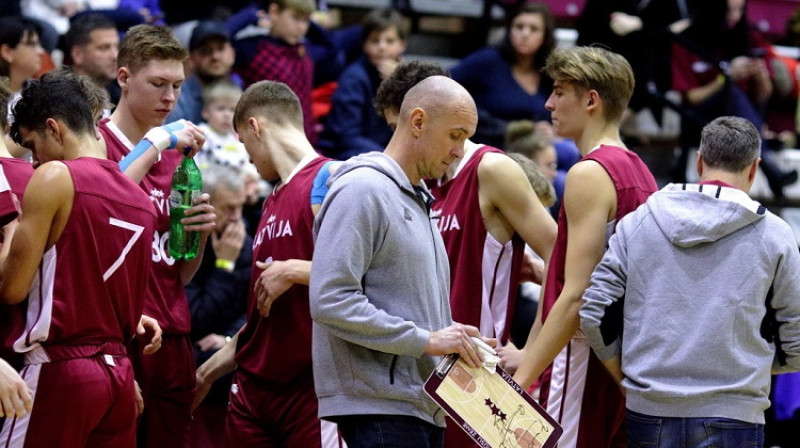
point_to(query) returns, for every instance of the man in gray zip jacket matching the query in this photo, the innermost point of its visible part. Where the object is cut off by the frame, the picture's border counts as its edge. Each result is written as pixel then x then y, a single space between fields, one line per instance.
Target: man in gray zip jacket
pixel 704 284
pixel 379 289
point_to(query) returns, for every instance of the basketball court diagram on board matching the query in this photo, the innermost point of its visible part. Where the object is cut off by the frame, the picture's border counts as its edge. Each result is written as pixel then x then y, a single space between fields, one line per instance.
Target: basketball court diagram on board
pixel 490 407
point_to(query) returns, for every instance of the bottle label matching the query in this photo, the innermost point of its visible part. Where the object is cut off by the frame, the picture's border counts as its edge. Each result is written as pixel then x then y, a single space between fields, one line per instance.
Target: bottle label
pixel 179 198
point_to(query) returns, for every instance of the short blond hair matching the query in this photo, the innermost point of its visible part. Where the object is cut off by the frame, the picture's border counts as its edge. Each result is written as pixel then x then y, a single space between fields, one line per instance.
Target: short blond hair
pixel 595 68
pixel 144 43
pixel 271 99
pixel 221 89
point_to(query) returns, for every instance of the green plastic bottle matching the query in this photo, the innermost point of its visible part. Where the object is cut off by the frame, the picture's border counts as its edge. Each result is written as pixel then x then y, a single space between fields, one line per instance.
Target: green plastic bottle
pixel 187 184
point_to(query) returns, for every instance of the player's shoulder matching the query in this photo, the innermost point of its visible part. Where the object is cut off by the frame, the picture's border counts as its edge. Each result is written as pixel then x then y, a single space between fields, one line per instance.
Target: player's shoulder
pixel 493 158
pixel 51 180
pixel 51 171
pixel 588 184
pixel 587 170
pixel 497 166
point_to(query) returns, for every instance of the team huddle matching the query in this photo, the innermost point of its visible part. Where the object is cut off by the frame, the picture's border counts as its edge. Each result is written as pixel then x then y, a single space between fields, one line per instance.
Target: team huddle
pixel 367 271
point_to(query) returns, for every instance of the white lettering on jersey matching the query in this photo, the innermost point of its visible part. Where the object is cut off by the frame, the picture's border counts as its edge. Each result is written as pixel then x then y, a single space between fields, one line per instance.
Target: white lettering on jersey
pixel 447 223
pixel 161 203
pixel 273 229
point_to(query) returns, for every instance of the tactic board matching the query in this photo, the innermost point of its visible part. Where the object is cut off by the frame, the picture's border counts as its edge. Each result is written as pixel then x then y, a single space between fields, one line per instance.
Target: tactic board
pixel 491 408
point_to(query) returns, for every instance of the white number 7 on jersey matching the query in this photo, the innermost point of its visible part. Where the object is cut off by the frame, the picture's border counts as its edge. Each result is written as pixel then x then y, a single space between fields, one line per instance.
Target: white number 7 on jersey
pixel 137 232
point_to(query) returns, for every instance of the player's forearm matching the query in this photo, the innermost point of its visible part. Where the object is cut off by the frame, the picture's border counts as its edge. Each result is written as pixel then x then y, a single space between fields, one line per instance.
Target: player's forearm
pixel 138 162
pixel 299 271
pixel 221 363
pixel 561 325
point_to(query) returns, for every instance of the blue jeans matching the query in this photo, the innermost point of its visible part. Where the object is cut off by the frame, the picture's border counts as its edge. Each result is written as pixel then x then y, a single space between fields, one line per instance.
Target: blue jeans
pixel 389 431
pixel 672 432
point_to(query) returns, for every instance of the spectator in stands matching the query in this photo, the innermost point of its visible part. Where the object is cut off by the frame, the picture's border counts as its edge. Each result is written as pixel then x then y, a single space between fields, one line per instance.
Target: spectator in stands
pixel 211 56
pixel 20 51
pixel 282 55
pixel 21 55
pixel 150 10
pixel 522 137
pixel 637 30
pixel 507 81
pixel 218 292
pixel 718 65
pixel 59 14
pixel 222 146
pixel 90 48
pixel 353 126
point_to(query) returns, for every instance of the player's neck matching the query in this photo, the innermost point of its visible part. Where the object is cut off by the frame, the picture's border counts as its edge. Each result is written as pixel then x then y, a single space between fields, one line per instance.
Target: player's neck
pixel 4 152
pixel 128 124
pixel 597 134
pixel 85 145
pixel 289 154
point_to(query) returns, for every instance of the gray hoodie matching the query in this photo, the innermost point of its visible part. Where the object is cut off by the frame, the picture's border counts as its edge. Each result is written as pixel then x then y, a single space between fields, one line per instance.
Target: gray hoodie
pixel 380 284
pixel 709 283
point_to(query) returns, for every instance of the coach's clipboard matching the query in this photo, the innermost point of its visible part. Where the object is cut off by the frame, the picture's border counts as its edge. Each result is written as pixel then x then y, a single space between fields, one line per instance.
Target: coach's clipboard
pixel 491 408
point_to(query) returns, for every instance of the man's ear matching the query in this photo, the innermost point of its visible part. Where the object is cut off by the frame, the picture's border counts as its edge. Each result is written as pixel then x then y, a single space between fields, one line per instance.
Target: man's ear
pixel 417 119
pixel 76 54
pixel 55 129
pixel 699 166
pixel 594 98
pixel 254 125
pixel 7 53
pixel 753 169
pixel 123 75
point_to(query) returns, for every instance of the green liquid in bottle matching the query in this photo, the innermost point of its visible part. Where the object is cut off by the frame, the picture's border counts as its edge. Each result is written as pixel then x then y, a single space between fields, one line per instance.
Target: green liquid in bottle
pixel 187 184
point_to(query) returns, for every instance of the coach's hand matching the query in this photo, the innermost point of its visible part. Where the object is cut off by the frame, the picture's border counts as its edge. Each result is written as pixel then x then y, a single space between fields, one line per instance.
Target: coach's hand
pixel 14 393
pixel 455 339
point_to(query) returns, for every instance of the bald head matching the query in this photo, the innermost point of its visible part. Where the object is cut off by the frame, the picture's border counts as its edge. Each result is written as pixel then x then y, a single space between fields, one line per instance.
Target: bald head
pixel 436 95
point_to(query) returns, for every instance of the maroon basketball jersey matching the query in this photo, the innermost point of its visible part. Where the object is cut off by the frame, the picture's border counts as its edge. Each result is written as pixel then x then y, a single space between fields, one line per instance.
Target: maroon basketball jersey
pixel 17 172
pixel 12 317
pixel 278 348
pixel 484 274
pixel 165 298
pixel 89 286
pixel 634 184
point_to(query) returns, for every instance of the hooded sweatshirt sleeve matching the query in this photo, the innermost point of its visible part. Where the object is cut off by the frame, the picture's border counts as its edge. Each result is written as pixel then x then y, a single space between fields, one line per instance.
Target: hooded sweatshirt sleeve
pixel 601 312
pixel 786 306
pixel 351 228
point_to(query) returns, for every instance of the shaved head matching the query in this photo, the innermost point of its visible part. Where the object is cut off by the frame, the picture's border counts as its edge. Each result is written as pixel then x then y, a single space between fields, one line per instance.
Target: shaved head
pixel 436 95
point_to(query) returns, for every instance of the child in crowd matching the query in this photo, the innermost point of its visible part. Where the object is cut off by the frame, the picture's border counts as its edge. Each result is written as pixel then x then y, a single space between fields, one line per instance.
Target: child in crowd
pixel 526 138
pixel 282 56
pixel 521 137
pixel 222 143
pixel 353 127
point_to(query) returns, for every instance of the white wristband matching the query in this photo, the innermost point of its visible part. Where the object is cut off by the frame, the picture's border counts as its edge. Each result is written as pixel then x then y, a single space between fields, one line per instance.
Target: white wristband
pixel 160 138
